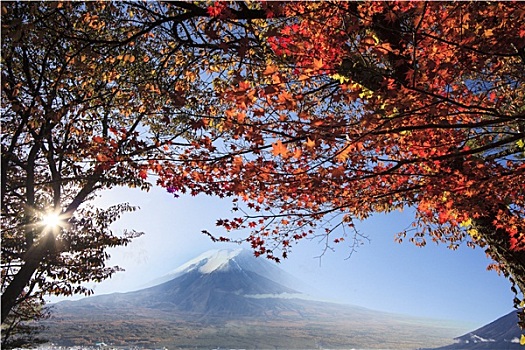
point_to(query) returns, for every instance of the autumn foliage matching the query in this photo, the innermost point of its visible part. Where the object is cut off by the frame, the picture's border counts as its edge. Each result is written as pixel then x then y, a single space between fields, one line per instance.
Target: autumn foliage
pixel 356 108
pixel 78 116
pixel 310 115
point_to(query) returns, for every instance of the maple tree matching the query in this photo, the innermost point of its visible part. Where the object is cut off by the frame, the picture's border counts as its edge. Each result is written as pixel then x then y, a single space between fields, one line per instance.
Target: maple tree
pixel 356 108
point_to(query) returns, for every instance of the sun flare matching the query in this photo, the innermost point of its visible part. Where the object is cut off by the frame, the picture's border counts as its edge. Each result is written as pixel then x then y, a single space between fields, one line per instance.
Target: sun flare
pixel 52 220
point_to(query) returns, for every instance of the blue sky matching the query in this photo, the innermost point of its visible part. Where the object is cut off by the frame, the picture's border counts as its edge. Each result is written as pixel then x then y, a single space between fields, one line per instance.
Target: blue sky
pixel 432 282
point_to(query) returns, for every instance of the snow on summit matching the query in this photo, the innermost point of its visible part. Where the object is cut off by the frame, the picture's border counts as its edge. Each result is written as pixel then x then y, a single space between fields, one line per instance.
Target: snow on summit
pixel 215 260
pixel 208 262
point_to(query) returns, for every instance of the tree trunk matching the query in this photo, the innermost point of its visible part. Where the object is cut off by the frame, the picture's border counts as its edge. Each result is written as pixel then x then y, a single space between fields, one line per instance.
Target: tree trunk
pixel 512 262
pixel 32 259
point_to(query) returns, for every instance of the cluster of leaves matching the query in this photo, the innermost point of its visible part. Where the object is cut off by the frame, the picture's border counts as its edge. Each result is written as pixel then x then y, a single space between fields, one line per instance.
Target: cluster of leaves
pixel 355 108
pixel 421 122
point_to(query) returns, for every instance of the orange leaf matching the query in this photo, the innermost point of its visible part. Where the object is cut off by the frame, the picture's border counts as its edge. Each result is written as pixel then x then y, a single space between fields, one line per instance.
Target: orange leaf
pixel 229 113
pixel 241 116
pixel 102 158
pixel 297 153
pixel 318 64
pixel 276 79
pixel 284 96
pixel 244 85
pixel 270 69
pixel 278 149
pixel 310 143
pixel 384 48
pixel 369 40
pixel 489 32
pixel 237 162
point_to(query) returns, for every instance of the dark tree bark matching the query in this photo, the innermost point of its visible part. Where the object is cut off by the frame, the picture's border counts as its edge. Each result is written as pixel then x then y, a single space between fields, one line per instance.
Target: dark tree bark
pixel 33 259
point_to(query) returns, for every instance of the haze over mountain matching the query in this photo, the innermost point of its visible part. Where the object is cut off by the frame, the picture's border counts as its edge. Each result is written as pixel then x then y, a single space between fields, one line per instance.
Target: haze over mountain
pixel 231 299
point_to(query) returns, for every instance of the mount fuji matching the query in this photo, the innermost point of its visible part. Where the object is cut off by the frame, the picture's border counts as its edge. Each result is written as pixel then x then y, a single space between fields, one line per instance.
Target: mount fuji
pixel 231 299
pixel 222 283
pixel 222 261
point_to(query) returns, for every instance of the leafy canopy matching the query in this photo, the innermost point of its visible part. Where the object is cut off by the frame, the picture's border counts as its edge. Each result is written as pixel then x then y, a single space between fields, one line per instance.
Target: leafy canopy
pixel 346 109
pixel 310 114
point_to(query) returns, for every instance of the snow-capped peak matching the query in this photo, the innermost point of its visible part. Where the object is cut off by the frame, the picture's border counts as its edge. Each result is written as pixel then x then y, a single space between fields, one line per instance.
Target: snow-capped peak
pixel 212 260
pixel 229 261
pixel 206 263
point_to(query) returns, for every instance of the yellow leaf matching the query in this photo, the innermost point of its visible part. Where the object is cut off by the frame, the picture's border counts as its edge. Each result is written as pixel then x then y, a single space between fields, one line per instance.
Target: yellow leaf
pixel 473 233
pixel 341 78
pixel 366 93
pixel 466 223
pixel 522 340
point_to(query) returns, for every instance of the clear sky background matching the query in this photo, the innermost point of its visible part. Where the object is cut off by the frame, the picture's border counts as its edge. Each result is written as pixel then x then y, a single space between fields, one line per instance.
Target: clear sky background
pixel 432 282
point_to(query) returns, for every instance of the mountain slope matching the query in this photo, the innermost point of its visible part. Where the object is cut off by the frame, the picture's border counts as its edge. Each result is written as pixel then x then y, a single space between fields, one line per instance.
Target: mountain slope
pixel 231 299
pixel 222 293
pixel 502 334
